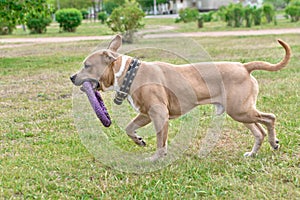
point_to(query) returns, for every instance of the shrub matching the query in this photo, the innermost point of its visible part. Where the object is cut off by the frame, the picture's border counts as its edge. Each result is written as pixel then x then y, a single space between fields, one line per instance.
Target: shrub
pixel 110 5
pixel 238 15
pixel 69 19
pixel 221 13
pixel 293 10
pixel 126 20
pixel 257 14
pixel 234 15
pixel 278 4
pixel 188 15
pixel 84 13
pixel 228 13
pixel 248 11
pixel 200 21
pixel 14 12
pixel 208 17
pixel 269 12
pixel 37 22
pixel 102 16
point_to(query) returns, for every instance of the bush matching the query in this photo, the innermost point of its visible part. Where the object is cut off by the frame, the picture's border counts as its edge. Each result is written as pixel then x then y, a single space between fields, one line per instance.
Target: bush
pixel 37 22
pixel 14 12
pixel 208 17
pixel 238 15
pixel 110 5
pixel 102 16
pixel 6 27
pixel 293 10
pixel 69 19
pixel 200 21
pixel 278 4
pixel 84 13
pixel 269 12
pixel 126 20
pixel 234 15
pixel 257 14
pixel 221 13
pixel 228 13
pixel 248 11
pixel 188 15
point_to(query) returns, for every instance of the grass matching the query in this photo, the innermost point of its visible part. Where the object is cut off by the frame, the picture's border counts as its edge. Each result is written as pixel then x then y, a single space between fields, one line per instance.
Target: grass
pixel 43 157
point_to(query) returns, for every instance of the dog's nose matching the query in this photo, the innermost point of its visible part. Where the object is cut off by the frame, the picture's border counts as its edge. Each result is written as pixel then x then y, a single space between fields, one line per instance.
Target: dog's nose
pixel 73 78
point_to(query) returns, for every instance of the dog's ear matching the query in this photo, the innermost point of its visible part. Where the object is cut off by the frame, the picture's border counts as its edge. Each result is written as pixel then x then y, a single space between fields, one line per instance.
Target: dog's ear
pixel 116 43
pixel 109 57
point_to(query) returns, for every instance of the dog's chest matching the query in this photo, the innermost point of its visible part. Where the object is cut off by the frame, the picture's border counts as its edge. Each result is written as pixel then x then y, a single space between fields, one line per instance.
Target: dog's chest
pixel 130 100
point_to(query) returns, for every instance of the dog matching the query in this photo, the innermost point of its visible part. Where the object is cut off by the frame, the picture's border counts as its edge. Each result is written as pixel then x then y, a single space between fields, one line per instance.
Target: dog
pixel 161 91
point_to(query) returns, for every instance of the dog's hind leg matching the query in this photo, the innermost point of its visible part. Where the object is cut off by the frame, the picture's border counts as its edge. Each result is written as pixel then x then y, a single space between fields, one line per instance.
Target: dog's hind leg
pixel 259 134
pixel 268 119
pixel 251 119
pixel 139 121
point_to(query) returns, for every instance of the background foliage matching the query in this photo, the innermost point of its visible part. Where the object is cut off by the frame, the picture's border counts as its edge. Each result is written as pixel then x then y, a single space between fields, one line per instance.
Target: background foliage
pixel 69 19
pixel 13 12
pixel 126 20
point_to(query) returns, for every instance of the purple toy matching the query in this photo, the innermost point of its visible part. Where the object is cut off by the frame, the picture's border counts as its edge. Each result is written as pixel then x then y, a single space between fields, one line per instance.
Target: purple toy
pixel 97 103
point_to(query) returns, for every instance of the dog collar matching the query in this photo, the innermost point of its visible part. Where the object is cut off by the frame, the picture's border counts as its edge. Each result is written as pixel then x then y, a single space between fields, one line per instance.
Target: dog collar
pixel 125 87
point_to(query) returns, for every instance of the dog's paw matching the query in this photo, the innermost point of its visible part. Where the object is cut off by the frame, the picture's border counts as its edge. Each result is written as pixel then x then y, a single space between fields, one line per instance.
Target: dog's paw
pixel 139 141
pixel 249 154
pixel 276 147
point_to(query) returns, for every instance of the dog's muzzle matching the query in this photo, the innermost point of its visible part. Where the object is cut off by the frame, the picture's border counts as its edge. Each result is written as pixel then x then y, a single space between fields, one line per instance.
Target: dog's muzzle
pixel 95 83
pixel 73 78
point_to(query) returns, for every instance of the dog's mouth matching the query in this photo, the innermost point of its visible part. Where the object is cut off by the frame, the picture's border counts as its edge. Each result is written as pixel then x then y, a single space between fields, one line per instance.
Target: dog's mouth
pixel 94 83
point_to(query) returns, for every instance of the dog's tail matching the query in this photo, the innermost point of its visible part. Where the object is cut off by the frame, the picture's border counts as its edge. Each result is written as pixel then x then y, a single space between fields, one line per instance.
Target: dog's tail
pixel 260 65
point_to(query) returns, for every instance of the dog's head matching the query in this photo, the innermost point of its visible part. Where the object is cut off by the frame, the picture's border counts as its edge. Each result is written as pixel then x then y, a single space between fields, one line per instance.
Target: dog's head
pixel 98 67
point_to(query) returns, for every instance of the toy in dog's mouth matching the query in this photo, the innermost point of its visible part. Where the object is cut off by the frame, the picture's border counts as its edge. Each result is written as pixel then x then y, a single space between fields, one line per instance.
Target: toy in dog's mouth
pixel 96 103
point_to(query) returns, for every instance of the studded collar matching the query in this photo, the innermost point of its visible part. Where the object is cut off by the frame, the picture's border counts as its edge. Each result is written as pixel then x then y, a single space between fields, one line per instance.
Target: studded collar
pixel 126 84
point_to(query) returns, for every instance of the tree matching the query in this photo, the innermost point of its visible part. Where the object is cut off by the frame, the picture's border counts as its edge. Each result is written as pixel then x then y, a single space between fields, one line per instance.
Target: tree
pixel 238 15
pixel 269 11
pixel 79 4
pixel 148 4
pixel 257 15
pixel 248 11
pixel 188 15
pixel 10 15
pixel 293 10
pixel 13 12
pixel 110 5
pixel 38 17
pixel 126 20
pixel 277 3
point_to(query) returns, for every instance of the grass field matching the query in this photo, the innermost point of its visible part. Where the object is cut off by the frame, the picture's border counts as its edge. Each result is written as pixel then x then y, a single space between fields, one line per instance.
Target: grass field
pixel 42 156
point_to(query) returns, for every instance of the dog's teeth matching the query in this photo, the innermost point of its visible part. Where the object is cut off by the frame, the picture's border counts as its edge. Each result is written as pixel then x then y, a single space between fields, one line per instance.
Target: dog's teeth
pixel 82 89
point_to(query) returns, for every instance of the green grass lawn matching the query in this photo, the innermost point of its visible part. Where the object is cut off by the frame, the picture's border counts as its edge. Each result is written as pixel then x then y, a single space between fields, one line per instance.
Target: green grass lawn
pixel 42 156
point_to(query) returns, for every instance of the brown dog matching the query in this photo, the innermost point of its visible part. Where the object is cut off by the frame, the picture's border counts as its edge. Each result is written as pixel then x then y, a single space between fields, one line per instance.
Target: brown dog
pixel 162 91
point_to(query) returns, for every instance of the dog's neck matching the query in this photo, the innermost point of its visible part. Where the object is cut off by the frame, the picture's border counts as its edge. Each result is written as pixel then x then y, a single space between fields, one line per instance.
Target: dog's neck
pixel 121 65
pixel 116 73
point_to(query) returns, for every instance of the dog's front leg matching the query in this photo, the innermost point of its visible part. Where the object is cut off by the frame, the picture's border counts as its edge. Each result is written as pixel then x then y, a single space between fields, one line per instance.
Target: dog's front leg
pixel 159 115
pixel 139 121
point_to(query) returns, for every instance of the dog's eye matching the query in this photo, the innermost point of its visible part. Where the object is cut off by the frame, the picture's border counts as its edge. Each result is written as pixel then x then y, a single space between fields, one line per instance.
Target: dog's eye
pixel 87 66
